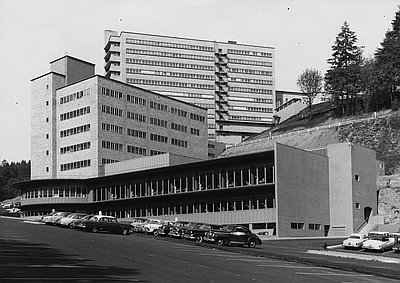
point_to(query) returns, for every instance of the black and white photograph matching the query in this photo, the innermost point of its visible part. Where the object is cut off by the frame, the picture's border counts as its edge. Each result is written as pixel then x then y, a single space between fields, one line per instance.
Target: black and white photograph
pixel 200 141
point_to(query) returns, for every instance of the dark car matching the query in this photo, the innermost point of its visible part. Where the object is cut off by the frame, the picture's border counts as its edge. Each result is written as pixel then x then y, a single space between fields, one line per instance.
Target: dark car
pixel 105 223
pixel 77 223
pixel 180 227
pixel 233 234
pixel 197 233
pixel 165 230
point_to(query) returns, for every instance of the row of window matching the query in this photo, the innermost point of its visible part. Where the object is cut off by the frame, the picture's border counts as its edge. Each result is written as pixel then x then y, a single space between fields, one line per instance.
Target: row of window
pixel 111 110
pixel 75 147
pixel 158 122
pixel 178 142
pixel 75 130
pixel 250 53
pixel 250 62
pixel 178 127
pixel 75 113
pixel 205 105
pixel 250 90
pixel 301 226
pixel 136 116
pixel 112 145
pixel 74 96
pixel 112 93
pixel 197 117
pixel 250 118
pixel 250 72
pixel 221 179
pixel 178 112
pixel 112 128
pixel 108 161
pixel 248 99
pixel 56 192
pixel 170 64
pixel 168 83
pixel 194 131
pixel 136 133
pixel 187 94
pixel 250 81
pixel 158 138
pixel 158 106
pixel 169 44
pixel 169 54
pixel 136 150
pixel 251 109
pixel 170 74
pixel 136 100
pixel 75 165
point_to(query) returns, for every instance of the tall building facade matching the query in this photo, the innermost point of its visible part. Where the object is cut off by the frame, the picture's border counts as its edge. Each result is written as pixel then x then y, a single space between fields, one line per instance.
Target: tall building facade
pixel 234 82
pixel 82 121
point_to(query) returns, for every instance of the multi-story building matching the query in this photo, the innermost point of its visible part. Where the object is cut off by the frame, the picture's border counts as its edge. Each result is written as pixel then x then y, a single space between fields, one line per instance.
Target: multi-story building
pixel 235 82
pixel 81 121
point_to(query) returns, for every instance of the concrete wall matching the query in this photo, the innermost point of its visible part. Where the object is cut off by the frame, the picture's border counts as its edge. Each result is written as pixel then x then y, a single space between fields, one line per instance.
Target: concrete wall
pixel 74 69
pixel 43 125
pixel 302 191
pixel 350 196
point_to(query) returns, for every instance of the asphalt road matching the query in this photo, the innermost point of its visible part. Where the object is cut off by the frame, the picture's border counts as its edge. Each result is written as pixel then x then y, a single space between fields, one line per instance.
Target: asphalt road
pixel 40 253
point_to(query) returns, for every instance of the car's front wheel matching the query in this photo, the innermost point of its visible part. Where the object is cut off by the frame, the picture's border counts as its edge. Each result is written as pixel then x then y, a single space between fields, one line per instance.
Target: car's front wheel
pixel 252 243
pixel 125 232
pixel 198 239
pixel 220 242
pixel 94 230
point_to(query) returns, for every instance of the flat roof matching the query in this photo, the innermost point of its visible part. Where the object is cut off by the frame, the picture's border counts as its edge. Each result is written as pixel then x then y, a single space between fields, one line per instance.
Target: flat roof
pixel 185 38
pixel 74 58
pixel 51 72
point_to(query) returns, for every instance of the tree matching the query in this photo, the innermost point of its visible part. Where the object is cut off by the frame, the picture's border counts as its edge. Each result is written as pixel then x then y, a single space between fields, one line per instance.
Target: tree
pixel 388 66
pixel 11 173
pixel 343 80
pixel 310 83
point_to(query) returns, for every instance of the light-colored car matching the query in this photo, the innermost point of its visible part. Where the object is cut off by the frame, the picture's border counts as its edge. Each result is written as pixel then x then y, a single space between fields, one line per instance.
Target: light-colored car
pixel 355 241
pixel 378 241
pixel 66 221
pixel 51 220
pixel 152 225
pixel 137 224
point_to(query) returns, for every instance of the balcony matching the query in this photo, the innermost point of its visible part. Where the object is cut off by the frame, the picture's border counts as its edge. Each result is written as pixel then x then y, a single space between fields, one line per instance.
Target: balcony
pixel 112 55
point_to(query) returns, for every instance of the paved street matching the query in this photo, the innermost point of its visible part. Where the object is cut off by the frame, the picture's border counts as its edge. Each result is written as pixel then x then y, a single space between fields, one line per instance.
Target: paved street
pixel 40 253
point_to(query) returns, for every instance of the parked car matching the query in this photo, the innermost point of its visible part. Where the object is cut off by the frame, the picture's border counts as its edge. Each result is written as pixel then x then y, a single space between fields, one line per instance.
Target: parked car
pixel 51 220
pixel 355 241
pixel 66 221
pixel 137 224
pixel 164 229
pixel 230 234
pixel 395 237
pixel 197 234
pixel 180 227
pixel 105 223
pixel 378 241
pixel 46 217
pixel 78 223
pixel 151 225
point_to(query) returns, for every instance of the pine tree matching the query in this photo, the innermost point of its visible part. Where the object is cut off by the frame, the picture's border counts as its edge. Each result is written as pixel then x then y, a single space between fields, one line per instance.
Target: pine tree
pixel 388 66
pixel 343 80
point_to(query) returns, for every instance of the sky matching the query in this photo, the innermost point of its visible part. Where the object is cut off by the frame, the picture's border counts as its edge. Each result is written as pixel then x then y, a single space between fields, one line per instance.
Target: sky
pixel 35 32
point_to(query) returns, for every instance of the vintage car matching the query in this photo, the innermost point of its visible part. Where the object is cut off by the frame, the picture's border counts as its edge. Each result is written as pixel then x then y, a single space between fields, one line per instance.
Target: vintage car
pixel 378 241
pixel 233 234
pixel 78 223
pixel 52 219
pixel 355 241
pixel 180 227
pixel 137 224
pixel 105 223
pixel 396 241
pixel 66 221
pixel 151 225
pixel 197 234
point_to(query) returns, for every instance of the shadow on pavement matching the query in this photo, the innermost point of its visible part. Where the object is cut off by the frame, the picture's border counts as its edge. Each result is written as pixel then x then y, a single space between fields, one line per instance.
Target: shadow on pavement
pixel 26 262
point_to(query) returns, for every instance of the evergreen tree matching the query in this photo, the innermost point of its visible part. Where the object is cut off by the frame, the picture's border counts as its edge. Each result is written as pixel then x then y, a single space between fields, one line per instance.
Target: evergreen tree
pixel 388 66
pixel 343 80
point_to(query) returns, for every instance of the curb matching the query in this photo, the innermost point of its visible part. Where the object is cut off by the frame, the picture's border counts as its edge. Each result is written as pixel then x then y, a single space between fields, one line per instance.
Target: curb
pixel 356 256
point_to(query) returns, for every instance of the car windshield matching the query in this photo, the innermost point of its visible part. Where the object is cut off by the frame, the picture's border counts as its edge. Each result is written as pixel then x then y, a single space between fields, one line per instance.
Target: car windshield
pixel 355 237
pixel 377 237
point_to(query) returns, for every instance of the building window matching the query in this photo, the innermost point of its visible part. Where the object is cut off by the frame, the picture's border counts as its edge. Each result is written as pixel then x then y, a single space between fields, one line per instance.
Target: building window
pixel 358 205
pixel 47 119
pixel 47 103
pixel 47 136
pixel 295 225
pixel 314 226
pixel 47 152
pixel 47 169
pixel 357 177
pixel 47 86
